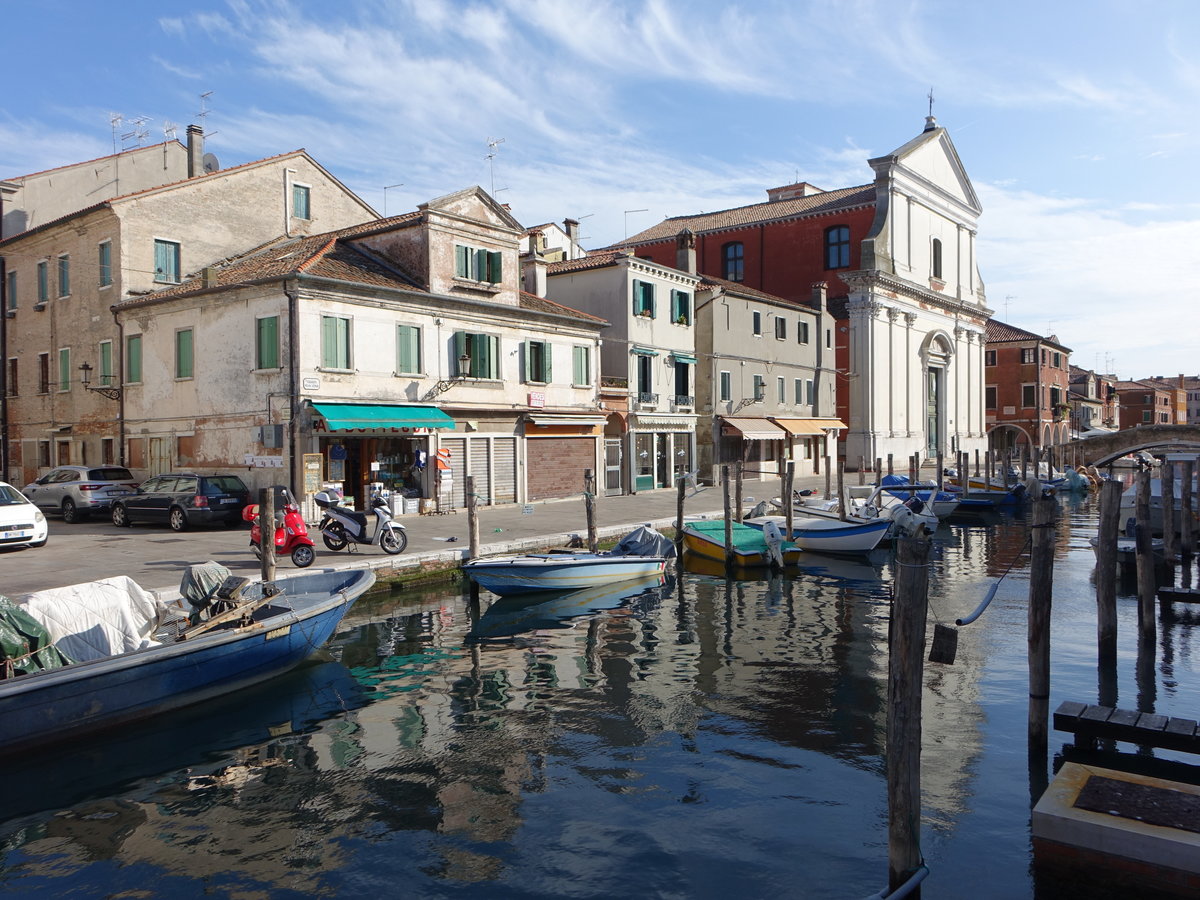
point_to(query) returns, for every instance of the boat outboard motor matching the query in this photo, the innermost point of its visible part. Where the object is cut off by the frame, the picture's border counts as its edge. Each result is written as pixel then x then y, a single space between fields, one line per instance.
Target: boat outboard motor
pixel 200 584
pixel 774 538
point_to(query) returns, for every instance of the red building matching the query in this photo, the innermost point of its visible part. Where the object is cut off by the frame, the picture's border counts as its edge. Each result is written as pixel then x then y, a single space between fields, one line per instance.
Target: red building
pixel 1026 380
pixel 1148 403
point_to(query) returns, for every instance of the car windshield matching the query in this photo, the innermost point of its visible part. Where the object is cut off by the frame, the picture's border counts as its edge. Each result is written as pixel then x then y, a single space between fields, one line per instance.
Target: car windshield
pixel 224 484
pixel 112 473
pixel 10 496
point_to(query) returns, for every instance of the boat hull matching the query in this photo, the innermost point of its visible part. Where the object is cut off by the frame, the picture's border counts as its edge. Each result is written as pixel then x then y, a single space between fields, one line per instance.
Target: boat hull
pixel 558 572
pixel 829 535
pixel 713 547
pixel 58 704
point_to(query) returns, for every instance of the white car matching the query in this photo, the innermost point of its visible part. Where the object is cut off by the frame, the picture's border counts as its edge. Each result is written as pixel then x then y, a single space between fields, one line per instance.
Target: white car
pixel 21 523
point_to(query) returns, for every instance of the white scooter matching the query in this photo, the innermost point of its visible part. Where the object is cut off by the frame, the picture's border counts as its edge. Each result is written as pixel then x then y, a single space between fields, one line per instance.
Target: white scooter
pixel 341 527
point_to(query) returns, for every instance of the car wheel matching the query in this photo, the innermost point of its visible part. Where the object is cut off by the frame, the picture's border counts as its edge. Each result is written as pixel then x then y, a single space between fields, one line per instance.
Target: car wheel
pixel 120 517
pixel 69 513
pixel 178 519
pixel 303 556
pixel 393 541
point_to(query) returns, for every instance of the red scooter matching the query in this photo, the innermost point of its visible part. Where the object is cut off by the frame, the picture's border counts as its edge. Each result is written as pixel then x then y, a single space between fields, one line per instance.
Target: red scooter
pixel 291 534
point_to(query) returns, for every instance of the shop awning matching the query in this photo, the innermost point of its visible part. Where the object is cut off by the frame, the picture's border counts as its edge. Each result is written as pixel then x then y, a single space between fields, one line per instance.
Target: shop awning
pixel 664 421
pixel 801 427
pixel 643 351
pixel 753 429
pixel 370 417
pixel 684 358
pixel 566 420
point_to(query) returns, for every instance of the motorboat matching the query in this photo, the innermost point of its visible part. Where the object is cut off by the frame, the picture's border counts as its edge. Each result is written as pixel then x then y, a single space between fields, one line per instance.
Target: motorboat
pixel 940 503
pixel 751 547
pixel 107 652
pixel 1129 503
pixel 640 553
pixel 827 535
pixel 873 505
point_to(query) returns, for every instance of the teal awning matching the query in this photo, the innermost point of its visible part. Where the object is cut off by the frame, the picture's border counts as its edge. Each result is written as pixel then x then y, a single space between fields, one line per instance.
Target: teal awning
pixel 369 417
pixel 643 351
pixel 684 358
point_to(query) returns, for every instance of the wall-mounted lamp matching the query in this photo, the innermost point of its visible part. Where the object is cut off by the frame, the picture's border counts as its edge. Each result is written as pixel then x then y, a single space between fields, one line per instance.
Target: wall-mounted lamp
pixel 461 374
pixel 85 378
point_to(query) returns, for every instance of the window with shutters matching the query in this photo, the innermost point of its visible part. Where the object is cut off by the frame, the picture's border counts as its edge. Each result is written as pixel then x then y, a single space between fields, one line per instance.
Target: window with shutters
pixel 104 263
pixel 581 366
pixel 335 343
pixel 780 392
pixel 989 357
pixel 989 397
pixel 166 261
pixel 105 375
pixel 301 198
pixel 64 276
pixel 760 388
pixel 799 388
pixel 1029 396
pixel 757 324
pixel 184 357
pixel 64 369
pixel 809 392
pixel 408 350
pixel 482 352
pixel 726 386
pixel 133 359
pixel 1028 355
pixel 43 282
pixel 43 373
pixel 681 307
pixel 781 328
pixel 475 264
pixel 801 332
pixel 11 386
pixel 537 362
pixel 643 299
pixel 266 342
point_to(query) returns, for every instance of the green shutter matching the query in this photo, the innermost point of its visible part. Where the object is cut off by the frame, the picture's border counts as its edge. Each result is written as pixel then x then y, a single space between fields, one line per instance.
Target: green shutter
pixel 460 347
pixel 494 266
pixel 328 342
pixel 651 300
pixel 546 361
pixel 675 313
pixel 491 355
pixel 408 344
pixel 64 276
pixel 183 353
pixel 64 369
pixel 133 359
pixel 479 272
pixel 462 266
pixel 105 263
pixel 43 282
pixel 637 297
pixel 268 343
pixel 106 363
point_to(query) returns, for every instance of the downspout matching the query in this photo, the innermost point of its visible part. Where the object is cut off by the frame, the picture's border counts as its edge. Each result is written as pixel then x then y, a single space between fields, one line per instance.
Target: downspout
pixel 4 473
pixel 293 298
pixel 120 348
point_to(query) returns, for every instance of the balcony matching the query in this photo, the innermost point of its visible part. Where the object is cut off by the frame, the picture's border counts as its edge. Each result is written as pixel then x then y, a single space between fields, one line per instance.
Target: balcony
pixel 682 401
pixel 647 399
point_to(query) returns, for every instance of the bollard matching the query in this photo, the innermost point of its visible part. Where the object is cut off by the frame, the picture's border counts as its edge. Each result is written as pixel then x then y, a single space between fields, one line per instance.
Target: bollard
pixel 862 470
pixel 841 490
pixel 1041 587
pixel 789 497
pixel 737 474
pixel 828 476
pixel 681 493
pixel 878 472
pixel 472 518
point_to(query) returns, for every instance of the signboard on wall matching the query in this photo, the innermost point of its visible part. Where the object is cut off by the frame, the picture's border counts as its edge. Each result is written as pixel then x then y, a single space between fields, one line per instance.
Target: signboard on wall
pixel 312 472
pixel 537 399
pixel 311 384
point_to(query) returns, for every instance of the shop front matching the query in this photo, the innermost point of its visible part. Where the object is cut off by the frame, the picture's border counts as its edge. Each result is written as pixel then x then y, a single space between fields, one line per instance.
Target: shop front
pixel 757 443
pixel 559 448
pixel 366 447
pixel 661 447
pixel 809 441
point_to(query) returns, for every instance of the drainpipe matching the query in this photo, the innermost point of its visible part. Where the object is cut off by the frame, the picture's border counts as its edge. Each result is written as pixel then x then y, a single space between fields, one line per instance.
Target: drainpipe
pixel 120 348
pixel 293 298
pixel 287 186
pixel 4 473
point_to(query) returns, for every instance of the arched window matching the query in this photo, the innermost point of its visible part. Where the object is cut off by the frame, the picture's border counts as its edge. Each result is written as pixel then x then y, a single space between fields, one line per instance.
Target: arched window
pixel 837 247
pixel 937 258
pixel 732 255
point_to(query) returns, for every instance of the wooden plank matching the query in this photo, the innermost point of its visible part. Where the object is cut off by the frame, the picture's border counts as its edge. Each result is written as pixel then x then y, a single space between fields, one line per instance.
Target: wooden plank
pixel 1125 717
pixel 1181 727
pixel 1096 714
pixel 1151 722
pixel 1070 708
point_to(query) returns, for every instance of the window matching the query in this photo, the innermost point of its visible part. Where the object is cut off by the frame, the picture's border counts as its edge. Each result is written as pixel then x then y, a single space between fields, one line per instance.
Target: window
pixel 683 384
pixel 758 324
pixel 801 332
pixel 837 247
pixel 989 357
pixel 1043 357
pixel 183 353
pixel 989 397
pixel 581 365
pixel 408 350
pixel 44 454
pixel 1027 356
pixel 64 276
pixel 645 376
pixel 300 201
pixel 537 361
pixel 1146 398
pixel 681 307
pixel 64 369
pixel 166 261
pixel 799 391
pixel 1145 415
pixel 484 351
pixel 828 338
pixel 477 265
pixel 936 267
pixel 1055 396
pixel 266 342
pixel 43 282
pixel 643 299
pixel 107 452
pixel 760 388
pixel 11 385
pixel 1058 360
pixel 732 257
pixel 726 386
pixel 780 328
pixel 104 263
pixel 1029 396
pixel 11 290
pixel 780 392
pixel 335 342
pixel 106 364
pixel 133 359
pixel 810 393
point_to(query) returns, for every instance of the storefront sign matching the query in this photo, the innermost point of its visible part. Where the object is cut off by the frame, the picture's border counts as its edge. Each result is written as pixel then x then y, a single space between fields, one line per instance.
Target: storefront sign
pixel 312 472
pixel 537 399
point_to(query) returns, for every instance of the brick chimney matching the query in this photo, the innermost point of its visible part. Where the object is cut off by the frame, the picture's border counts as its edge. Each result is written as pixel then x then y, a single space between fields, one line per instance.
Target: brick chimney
pixel 792 191
pixel 195 151
pixel 685 251
pixel 571 226
pixel 533 273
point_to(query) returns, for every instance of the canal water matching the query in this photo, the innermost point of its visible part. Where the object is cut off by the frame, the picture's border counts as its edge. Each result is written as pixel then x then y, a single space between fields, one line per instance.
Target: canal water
pixel 697 738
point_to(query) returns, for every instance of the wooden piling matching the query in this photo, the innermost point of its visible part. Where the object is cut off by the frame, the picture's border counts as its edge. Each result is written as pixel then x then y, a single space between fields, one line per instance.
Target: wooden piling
pixel 589 508
pixel 789 497
pixel 976 463
pixel 913 465
pixel 737 474
pixel 906 650
pixel 891 471
pixel 266 533
pixel 878 471
pixel 1106 571
pixel 728 520
pixel 680 494
pixel 828 476
pixel 472 518
pixel 1187 534
pixel 940 480
pixel 1170 537
pixel 862 470
pixel 841 488
pixel 1024 463
pixel 1146 576
pixel 1041 588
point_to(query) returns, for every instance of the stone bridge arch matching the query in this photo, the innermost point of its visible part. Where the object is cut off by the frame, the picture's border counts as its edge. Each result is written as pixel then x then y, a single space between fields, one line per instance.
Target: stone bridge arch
pixel 1103 449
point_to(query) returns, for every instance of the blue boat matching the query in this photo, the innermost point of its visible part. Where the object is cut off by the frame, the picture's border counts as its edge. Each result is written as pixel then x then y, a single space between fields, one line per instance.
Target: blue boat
pixel 250 643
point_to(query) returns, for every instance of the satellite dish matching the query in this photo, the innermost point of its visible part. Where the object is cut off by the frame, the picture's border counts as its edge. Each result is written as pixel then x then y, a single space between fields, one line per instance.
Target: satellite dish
pixel 211 164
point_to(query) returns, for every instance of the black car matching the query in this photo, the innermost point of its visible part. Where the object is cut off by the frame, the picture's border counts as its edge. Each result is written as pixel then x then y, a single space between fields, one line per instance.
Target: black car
pixel 182 500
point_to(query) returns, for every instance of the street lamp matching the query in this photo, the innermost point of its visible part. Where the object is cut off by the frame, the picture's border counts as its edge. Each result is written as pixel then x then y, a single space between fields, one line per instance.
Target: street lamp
pixel 85 378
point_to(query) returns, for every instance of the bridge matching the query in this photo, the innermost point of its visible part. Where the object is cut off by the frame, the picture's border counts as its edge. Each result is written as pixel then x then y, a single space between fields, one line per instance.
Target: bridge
pixel 1103 449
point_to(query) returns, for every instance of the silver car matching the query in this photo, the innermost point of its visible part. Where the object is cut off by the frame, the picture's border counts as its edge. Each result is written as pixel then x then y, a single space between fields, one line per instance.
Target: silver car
pixel 78 491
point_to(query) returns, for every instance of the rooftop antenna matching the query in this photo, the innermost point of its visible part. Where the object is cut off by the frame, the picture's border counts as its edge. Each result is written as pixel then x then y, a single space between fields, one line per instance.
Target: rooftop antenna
pixel 1007 297
pixel 204 111
pixel 140 132
pixel 114 120
pixel 627 212
pixel 385 190
pixel 493 143
pixel 169 129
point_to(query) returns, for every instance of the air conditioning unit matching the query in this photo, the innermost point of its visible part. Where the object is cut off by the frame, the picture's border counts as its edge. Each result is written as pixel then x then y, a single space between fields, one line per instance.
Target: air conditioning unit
pixel 271 436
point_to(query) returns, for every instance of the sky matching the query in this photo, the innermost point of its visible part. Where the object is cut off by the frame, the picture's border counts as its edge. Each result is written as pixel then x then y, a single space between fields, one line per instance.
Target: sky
pixel 1075 119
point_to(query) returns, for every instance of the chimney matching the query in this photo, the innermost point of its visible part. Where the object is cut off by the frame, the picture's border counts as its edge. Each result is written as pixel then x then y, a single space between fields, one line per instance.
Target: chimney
pixel 195 151
pixel 819 291
pixel 208 276
pixel 534 268
pixel 792 191
pixel 572 228
pixel 685 251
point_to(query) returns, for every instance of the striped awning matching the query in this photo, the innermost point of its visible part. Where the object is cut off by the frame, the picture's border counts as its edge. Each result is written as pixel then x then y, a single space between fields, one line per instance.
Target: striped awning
pixel 802 427
pixel 752 429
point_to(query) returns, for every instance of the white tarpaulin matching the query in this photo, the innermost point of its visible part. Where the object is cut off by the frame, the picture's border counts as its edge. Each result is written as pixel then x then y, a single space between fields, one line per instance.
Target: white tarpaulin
pixel 97 619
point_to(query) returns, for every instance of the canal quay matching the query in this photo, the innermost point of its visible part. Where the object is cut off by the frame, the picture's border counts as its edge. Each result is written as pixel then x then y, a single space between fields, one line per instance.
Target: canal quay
pixel 702 737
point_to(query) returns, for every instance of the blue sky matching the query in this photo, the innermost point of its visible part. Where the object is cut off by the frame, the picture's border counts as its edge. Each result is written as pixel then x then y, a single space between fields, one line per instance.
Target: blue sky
pixel 1075 120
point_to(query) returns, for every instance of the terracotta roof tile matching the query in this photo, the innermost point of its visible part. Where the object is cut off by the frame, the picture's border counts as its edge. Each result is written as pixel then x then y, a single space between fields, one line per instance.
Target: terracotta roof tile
pixel 1002 332
pixel 542 304
pixel 767 211
pixel 595 260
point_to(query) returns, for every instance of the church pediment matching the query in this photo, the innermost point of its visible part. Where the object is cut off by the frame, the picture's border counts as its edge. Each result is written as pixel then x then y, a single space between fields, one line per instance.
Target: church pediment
pixel 930 161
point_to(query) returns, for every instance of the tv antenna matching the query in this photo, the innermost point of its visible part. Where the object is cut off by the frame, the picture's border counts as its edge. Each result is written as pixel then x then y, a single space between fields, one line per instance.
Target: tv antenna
pixel 1007 297
pixel 493 143
pixel 387 188
pixel 169 129
pixel 204 111
pixel 139 132
pixel 114 121
pixel 627 212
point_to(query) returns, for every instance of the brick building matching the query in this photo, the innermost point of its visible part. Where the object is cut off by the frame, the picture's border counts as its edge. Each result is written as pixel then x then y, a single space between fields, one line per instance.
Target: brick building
pixel 1026 386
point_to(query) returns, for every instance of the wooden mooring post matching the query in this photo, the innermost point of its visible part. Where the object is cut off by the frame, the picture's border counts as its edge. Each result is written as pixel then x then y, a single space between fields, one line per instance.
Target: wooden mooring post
pixel 1106 571
pixel 1187 535
pixel 789 498
pixel 828 475
pixel 737 474
pixel 841 488
pixel 862 470
pixel 878 471
pixel 1166 477
pixel 472 518
pixel 728 521
pixel 1041 589
pixel 680 495
pixel 940 477
pixel 891 471
pixel 589 507
pixel 1147 578
pixel 906 651
pixel 266 533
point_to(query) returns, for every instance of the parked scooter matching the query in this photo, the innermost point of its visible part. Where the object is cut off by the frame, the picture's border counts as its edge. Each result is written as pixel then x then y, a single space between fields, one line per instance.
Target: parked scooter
pixel 341 527
pixel 291 534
